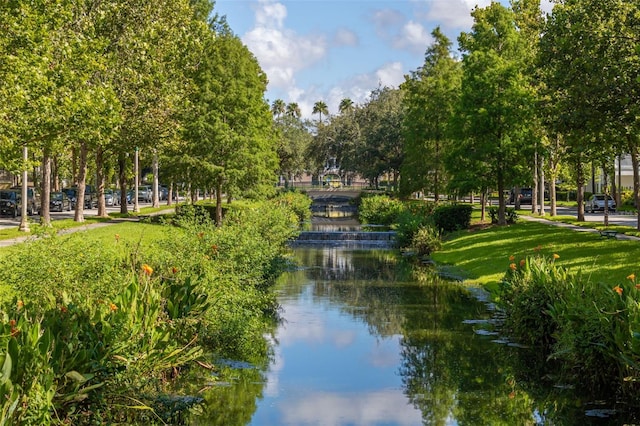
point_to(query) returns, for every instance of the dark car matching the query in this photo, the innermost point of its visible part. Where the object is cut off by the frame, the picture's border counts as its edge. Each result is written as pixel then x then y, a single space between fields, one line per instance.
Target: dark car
pixel 525 196
pixel 59 202
pixel 90 196
pixel 33 199
pixel 10 203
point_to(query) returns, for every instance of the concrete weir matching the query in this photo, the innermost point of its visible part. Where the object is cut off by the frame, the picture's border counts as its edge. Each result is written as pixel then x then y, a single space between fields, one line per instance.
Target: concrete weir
pixel 351 239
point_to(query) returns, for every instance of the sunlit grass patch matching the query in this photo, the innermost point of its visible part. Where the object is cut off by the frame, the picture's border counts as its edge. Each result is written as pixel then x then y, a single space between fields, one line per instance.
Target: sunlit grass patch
pixel 485 253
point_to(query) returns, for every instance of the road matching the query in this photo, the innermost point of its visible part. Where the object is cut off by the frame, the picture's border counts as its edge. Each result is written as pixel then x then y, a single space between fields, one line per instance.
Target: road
pixel 624 219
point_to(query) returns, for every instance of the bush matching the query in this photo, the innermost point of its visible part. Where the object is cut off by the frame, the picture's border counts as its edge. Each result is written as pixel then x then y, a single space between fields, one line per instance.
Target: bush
pixel 511 215
pixel 298 202
pixel 379 210
pixel 410 220
pixel 590 329
pixel 426 240
pixel 453 217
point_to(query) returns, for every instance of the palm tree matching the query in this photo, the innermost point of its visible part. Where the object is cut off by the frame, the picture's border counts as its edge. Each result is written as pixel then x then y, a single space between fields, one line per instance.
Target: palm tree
pixel 293 110
pixel 345 105
pixel 277 108
pixel 320 108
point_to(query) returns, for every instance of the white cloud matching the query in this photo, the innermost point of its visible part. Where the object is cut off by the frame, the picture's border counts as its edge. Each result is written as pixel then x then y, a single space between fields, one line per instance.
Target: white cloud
pixel 414 36
pixel 391 74
pixel 270 14
pixel 345 37
pixel 453 14
pixel 281 52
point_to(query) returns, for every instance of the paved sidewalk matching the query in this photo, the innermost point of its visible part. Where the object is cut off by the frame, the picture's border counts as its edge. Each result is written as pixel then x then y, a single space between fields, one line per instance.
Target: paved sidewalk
pixel 575 227
pixel 85 227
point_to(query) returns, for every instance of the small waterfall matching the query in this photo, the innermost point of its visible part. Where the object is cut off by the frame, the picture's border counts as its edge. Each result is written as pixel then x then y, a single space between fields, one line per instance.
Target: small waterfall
pixel 351 239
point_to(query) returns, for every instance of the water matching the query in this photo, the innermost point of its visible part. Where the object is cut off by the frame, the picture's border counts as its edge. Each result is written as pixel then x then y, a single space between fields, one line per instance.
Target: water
pixel 366 339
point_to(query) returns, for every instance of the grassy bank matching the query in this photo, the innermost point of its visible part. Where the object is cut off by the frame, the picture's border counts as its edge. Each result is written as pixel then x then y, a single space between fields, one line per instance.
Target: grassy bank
pixel 481 254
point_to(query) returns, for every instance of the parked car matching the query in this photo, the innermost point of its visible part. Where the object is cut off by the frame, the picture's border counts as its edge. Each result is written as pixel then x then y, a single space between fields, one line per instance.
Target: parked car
pixel 90 196
pixel 596 203
pixel 111 198
pixel 10 203
pixel 525 196
pixel 145 193
pixel 59 202
pixel 33 199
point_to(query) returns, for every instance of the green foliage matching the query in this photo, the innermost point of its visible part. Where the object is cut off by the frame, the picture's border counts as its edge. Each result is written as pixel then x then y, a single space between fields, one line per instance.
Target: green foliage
pixel 379 210
pixel 589 328
pixel 430 96
pixel 452 217
pixel 299 203
pixel 413 217
pixel 426 240
pixel 86 348
pixel 511 215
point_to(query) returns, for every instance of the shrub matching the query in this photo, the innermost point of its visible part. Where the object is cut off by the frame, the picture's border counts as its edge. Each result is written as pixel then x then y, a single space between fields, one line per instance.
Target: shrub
pixel 298 202
pixel 511 215
pixel 426 240
pixel 379 210
pixel 589 328
pixel 410 220
pixel 452 217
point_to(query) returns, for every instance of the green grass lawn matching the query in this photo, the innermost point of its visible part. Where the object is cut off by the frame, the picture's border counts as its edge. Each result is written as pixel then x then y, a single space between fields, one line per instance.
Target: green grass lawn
pixel 481 255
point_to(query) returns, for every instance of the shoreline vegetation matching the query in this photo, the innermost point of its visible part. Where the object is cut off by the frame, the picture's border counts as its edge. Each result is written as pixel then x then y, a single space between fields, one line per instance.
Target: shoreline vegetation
pixel 573 296
pixel 99 327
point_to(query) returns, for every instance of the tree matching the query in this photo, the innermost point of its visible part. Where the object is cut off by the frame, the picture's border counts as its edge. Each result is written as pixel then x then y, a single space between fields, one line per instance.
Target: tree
pixel 430 96
pixel 346 105
pixel 379 149
pixel 589 50
pixel 496 99
pixel 230 140
pixel 278 108
pixel 320 108
pixel 293 142
pixel 293 110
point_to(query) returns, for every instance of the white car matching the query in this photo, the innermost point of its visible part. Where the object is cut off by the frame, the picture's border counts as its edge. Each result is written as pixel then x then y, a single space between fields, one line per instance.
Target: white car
pixel 596 203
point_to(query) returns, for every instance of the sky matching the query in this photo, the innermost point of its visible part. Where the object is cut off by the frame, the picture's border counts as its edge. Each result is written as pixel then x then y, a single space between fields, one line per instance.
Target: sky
pixel 328 50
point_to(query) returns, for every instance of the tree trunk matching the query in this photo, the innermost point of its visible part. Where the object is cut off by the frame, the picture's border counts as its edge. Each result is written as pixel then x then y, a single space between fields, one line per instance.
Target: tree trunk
pixel 45 189
pixel 82 183
pixel 219 202
pixel 541 185
pixel 102 207
pixel 534 188
pixel 156 197
pixel 122 182
pixel 606 193
pixel 580 187
pixel 633 151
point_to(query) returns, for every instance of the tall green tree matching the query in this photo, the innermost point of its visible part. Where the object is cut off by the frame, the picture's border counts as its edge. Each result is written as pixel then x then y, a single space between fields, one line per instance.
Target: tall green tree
pixel 430 97
pixel 293 110
pixel 590 52
pixel 231 142
pixel 294 140
pixel 278 108
pixel 379 149
pixel 496 98
pixel 320 108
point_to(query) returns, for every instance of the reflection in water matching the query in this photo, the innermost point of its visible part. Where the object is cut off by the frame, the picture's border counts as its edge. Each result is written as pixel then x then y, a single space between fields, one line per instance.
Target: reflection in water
pixel 368 340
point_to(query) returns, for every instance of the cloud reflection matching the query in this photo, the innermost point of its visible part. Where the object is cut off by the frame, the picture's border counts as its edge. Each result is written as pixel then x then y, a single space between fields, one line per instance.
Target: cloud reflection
pixel 327 409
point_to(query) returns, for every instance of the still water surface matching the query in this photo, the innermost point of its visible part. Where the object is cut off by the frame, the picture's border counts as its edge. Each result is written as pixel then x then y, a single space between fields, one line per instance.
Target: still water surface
pixel 367 339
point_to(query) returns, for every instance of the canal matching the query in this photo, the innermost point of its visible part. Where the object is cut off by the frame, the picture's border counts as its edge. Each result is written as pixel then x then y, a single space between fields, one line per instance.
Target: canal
pixel 368 338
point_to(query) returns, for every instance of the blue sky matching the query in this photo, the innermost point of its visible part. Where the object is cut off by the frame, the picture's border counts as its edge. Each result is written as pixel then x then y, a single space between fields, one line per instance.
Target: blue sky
pixel 329 50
